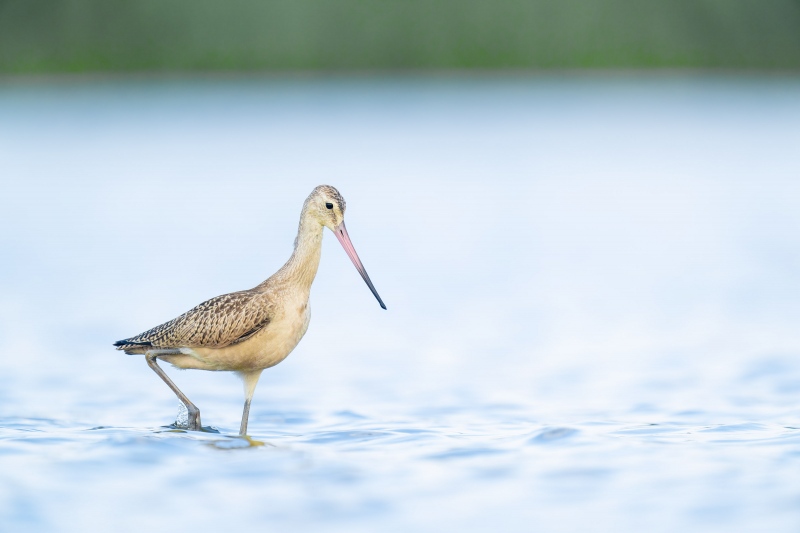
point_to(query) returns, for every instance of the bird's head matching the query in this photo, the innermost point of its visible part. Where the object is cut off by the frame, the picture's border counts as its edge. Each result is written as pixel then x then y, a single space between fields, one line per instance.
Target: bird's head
pixel 327 206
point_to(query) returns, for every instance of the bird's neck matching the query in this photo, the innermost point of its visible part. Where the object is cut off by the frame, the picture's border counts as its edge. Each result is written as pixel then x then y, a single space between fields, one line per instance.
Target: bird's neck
pixel 301 268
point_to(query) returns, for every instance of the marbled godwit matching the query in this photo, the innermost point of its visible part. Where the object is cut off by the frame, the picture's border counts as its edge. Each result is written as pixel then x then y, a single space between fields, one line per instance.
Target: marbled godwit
pixel 248 331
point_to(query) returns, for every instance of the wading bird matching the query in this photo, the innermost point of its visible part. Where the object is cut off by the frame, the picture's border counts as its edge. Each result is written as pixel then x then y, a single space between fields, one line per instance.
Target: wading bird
pixel 248 331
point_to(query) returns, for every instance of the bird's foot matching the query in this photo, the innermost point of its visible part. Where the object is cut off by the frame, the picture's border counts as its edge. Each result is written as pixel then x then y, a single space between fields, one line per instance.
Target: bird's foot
pixel 194 420
pixel 188 418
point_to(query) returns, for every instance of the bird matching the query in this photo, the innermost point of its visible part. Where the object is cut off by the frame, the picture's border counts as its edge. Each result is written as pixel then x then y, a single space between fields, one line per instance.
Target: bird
pixel 249 331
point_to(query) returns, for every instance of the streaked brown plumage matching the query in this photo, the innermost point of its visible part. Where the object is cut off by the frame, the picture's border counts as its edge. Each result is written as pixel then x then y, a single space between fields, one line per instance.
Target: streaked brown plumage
pixel 215 323
pixel 249 331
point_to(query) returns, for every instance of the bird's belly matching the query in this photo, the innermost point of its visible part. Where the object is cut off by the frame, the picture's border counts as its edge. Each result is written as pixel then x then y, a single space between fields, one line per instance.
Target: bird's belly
pixel 266 348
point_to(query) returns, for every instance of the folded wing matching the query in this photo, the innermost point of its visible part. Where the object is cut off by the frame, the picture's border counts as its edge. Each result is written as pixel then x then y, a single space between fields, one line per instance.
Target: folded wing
pixel 215 323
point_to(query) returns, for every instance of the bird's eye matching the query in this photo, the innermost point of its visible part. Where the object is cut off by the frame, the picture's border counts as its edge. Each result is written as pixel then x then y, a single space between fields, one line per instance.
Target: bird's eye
pixel 329 205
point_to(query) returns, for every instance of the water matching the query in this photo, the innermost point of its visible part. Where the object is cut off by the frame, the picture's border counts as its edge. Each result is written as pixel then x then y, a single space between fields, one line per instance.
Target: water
pixel 592 285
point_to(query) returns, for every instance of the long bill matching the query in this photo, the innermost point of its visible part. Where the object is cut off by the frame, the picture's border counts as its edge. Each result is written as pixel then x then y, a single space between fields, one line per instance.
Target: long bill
pixel 344 238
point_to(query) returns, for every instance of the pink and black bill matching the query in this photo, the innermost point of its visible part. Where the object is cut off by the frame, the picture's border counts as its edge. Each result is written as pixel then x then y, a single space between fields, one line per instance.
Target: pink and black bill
pixel 344 238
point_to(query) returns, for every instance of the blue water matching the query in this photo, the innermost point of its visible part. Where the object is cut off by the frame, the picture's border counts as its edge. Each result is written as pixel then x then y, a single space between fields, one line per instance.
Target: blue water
pixel 593 291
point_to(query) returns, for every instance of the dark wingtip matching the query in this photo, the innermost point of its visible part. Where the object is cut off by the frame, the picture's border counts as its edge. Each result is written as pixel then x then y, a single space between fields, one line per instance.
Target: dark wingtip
pixel 383 305
pixel 128 342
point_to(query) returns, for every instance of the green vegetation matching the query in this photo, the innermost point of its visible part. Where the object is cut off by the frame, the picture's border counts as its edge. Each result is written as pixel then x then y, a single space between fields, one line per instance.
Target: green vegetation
pixel 135 35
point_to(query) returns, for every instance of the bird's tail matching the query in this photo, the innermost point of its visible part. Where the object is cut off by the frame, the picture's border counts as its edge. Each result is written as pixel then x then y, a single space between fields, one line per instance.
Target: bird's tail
pixel 132 347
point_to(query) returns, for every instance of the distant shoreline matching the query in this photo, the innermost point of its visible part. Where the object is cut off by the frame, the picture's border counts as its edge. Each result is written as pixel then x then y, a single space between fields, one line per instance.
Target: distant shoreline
pixel 319 36
pixel 442 74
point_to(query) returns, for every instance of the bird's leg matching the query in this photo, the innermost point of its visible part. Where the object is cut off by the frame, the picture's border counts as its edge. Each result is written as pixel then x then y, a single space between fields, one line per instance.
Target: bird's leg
pixel 245 416
pixel 250 380
pixel 194 412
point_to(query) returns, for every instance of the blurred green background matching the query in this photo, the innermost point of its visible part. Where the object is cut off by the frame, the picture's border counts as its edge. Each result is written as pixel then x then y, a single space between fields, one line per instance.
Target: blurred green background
pixel 185 35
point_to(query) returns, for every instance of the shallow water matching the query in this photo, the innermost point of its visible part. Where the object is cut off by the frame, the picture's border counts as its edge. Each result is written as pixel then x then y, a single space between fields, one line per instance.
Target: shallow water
pixel 592 285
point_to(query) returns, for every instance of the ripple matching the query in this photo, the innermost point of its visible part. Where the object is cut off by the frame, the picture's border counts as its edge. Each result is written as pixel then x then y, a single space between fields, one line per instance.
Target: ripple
pixel 336 437
pixel 466 453
pixel 550 435
pixel 747 427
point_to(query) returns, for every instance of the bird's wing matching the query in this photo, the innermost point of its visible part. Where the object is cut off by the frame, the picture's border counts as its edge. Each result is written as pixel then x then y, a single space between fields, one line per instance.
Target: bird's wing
pixel 215 323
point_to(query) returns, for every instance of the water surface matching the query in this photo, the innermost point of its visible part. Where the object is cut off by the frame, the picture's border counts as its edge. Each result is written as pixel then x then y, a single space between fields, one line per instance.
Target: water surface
pixel 592 285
